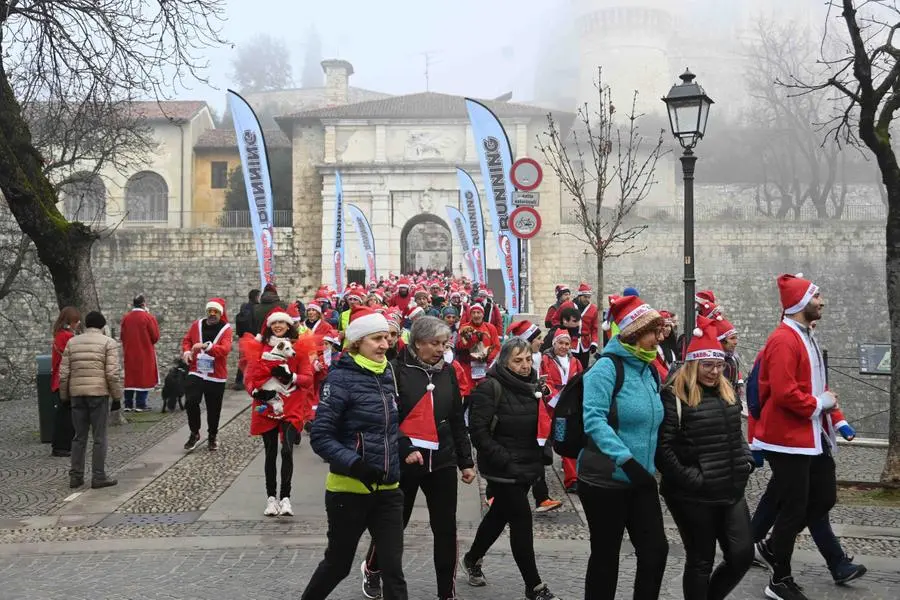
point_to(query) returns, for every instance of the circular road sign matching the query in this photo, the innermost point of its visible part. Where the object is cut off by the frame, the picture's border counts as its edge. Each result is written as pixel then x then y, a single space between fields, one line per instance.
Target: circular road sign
pixel 526 174
pixel 525 222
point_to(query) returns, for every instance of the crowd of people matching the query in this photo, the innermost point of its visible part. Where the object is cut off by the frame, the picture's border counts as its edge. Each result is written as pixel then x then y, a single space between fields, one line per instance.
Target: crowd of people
pixel 408 383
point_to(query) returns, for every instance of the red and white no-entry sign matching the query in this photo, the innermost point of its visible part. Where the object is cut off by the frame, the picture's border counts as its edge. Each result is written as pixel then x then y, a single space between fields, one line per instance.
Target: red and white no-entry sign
pixel 526 174
pixel 524 222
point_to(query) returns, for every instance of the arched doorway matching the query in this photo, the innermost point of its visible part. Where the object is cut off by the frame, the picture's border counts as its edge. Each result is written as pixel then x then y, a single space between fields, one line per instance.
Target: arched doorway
pixel 425 243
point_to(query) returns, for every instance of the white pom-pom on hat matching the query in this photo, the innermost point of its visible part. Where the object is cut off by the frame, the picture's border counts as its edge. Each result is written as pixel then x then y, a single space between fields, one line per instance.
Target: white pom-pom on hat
pixel 605 325
pixel 799 275
pixel 538 395
pixel 258 337
pixel 697 332
pixel 429 387
pixel 719 318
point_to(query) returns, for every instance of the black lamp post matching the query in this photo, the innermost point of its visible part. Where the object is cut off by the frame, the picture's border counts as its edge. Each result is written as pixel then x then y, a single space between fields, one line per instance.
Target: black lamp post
pixel 688 107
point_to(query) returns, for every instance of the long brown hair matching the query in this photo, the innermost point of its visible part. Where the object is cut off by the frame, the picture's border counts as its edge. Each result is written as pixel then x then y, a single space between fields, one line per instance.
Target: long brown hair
pixel 69 315
pixel 686 388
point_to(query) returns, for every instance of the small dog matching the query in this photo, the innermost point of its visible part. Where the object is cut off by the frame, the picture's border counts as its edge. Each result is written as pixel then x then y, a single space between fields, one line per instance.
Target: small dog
pixel 277 357
pixel 173 387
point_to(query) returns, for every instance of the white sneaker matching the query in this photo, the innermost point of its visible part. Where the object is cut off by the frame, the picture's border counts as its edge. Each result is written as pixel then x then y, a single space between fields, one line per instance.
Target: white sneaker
pixel 285 509
pixel 272 507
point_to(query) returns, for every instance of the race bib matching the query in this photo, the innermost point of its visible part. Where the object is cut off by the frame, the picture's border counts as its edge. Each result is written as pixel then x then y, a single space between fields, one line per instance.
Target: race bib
pixel 479 370
pixel 205 363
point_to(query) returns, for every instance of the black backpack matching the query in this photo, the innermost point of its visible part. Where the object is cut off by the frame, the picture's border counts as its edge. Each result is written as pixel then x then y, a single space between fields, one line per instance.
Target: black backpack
pixel 568 434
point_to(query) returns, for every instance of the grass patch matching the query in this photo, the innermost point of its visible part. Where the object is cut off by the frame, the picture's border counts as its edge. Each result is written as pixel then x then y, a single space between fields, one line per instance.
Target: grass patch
pixel 866 496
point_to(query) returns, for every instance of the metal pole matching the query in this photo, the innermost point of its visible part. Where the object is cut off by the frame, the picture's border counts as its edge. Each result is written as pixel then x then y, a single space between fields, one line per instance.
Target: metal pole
pixel 523 276
pixel 688 160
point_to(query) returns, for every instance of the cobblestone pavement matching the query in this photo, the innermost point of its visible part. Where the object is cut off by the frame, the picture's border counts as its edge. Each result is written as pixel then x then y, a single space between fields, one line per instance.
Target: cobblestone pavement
pixel 282 572
pixel 34 483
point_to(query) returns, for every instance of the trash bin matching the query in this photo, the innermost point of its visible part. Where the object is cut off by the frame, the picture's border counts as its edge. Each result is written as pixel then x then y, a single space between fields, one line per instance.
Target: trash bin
pixel 46 406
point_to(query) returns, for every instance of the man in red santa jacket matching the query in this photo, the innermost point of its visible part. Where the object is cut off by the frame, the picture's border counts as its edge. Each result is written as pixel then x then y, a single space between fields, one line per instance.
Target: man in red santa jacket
pixel 796 429
pixel 139 333
pixel 472 335
pixel 402 299
pixel 205 348
pixel 589 331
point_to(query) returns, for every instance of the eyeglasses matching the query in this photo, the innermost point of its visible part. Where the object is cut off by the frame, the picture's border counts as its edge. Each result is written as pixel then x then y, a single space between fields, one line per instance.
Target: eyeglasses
pixel 713 365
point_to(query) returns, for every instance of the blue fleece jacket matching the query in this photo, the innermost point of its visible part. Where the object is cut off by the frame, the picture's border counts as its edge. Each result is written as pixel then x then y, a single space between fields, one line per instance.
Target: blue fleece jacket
pixel 640 412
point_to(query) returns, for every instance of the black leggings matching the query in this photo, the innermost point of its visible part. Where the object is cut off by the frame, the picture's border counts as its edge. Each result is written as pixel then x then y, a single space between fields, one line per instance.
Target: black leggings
pixel 439 488
pixel 270 440
pixel 701 526
pixel 510 506
pixel 609 512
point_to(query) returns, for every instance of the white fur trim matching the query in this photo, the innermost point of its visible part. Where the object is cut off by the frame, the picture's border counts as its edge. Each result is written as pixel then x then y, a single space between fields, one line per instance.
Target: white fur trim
pixel 279 316
pixel 727 334
pixel 631 317
pixel 216 306
pixel 538 395
pixel 360 327
pixel 697 332
pixel 799 275
pixel 529 332
pixel 705 355
pixel 606 325
pixel 429 387
pixel 811 291
pixel 258 337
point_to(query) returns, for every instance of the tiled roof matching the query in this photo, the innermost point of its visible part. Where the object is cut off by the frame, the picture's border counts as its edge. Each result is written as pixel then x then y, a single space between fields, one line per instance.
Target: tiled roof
pixel 215 139
pixel 425 105
pixel 168 110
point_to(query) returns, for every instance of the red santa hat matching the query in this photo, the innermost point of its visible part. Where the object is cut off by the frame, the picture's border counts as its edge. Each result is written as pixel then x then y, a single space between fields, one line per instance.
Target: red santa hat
pixel 377 295
pixel 476 306
pixel 419 425
pixel 710 310
pixel 364 321
pixel 403 283
pixel 524 329
pixel 705 296
pixel 704 344
pixel 631 314
pixel 482 292
pixel 560 334
pixel 584 289
pixel 724 329
pixel 415 312
pixel 314 306
pixel 353 291
pixel 421 291
pixel 219 305
pixel 796 292
pixel 394 318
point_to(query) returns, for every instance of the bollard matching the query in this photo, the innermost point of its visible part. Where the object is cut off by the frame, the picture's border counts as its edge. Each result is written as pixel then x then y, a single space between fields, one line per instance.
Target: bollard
pixel 46 406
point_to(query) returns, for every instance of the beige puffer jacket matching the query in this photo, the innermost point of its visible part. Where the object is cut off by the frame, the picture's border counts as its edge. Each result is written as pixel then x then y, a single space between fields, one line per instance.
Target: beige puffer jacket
pixel 90 367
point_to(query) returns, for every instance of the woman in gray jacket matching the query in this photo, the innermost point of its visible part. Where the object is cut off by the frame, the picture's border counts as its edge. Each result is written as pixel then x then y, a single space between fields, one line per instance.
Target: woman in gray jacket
pixel 89 376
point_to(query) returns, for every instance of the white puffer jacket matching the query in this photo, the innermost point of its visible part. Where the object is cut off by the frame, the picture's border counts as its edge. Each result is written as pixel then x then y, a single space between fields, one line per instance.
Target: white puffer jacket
pixel 90 367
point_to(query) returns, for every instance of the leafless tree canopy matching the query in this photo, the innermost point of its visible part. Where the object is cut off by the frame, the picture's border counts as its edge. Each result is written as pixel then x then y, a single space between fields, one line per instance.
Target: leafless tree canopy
pixel 263 64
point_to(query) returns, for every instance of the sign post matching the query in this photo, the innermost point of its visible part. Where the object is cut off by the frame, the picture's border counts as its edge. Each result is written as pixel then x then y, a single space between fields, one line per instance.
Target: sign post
pixel 525 222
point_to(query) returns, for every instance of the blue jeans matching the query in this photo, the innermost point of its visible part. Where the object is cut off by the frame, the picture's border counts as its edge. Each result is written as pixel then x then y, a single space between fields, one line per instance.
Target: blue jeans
pixel 828 544
pixel 136 395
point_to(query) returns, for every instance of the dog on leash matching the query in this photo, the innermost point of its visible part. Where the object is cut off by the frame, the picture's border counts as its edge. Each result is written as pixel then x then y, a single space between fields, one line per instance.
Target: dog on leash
pixel 173 386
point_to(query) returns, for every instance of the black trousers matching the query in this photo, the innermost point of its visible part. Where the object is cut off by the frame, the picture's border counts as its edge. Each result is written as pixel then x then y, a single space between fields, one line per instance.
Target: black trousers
pixel 539 491
pixel 212 392
pixel 348 516
pixel 609 512
pixel 701 526
pixel 270 441
pixel 63 430
pixel 510 506
pixel 805 490
pixel 439 488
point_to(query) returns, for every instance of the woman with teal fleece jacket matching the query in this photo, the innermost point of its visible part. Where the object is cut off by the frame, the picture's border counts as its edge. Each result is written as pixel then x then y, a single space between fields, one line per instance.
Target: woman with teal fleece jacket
pixel 616 480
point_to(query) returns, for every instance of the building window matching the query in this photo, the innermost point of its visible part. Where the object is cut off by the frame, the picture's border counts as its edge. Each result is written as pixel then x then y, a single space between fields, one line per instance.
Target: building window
pixel 84 199
pixel 218 175
pixel 146 198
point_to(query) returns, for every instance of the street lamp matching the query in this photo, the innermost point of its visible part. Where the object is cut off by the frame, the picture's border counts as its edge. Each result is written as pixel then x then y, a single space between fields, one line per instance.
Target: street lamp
pixel 688 107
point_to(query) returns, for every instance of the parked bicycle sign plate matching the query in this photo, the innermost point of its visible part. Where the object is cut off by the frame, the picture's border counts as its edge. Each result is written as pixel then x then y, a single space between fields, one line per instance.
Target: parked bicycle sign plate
pixel 875 359
pixel 524 222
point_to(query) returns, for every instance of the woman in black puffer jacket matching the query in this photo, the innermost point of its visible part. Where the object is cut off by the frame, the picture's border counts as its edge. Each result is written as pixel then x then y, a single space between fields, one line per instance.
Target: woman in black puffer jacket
pixel 705 464
pixel 503 424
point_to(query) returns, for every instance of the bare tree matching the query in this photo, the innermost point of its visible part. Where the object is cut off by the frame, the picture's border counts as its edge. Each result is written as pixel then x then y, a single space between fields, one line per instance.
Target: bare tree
pixel 262 64
pixel 83 56
pixel 607 169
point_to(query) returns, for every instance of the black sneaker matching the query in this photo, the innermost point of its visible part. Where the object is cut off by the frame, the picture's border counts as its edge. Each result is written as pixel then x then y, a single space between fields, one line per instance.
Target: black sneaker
pixel 76 482
pixel 473 572
pixel 192 442
pixel 541 592
pixel 371 583
pixel 846 571
pixel 212 445
pixel 786 589
pixel 763 556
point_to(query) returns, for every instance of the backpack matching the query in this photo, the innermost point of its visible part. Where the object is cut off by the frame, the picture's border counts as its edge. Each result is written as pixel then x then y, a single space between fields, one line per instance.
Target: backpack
pixel 568 417
pixel 751 389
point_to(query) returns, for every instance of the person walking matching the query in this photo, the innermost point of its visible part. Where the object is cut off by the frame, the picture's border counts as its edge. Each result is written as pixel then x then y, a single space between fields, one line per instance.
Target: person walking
pixel 139 333
pixel 205 349
pixel 795 429
pixel 280 407
pixel 63 431
pixel 615 469
pixel 243 323
pixel 507 424
pixel 588 340
pixel 705 463
pixel 563 294
pixel 559 366
pixel 433 444
pixel 89 377
pixel 356 431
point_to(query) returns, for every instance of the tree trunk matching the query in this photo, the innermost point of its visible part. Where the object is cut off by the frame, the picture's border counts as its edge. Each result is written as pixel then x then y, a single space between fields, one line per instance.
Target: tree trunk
pixel 63 247
pixel 600 295
pixel 891 473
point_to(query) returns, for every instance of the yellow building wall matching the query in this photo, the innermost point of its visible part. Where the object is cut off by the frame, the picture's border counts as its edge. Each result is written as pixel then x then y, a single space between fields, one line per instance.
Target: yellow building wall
pixel 208 202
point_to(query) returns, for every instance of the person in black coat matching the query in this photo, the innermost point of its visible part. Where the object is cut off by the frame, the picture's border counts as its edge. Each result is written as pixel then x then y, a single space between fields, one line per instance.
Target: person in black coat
pixel 429 464
pixel 705 464
pixel 503 423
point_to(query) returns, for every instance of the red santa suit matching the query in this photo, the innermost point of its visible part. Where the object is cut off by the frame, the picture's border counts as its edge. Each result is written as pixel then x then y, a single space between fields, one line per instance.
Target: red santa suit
pixel 487 334
pixel 139 334
pixel 589 330
pixel 400 302
pixel 559 370
pixel 494 316
pixel 210 363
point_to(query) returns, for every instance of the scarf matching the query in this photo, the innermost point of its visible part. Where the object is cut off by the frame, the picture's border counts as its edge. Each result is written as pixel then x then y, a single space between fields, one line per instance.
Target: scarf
pixel 418 362
pixel 647 356
pixel 370 365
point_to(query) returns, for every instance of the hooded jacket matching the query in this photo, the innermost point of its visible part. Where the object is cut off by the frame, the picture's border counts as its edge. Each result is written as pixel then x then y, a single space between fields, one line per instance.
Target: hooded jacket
pixel 267 301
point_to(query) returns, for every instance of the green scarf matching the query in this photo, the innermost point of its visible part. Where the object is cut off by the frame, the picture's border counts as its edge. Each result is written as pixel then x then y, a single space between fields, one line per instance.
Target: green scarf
pixel 647 356
pixel 370 365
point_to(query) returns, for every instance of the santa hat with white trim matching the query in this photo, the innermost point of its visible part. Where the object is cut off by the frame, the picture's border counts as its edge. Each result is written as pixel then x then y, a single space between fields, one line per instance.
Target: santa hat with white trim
pixel 724 329
pixel 415 312
pixel 364 321
pixel 219 305
pixel 524 329
pixel 275 315
pixel 705 296
pixel 584 289
pixel 631 314
pixel 419 425
pixel 705 344
pixel 561 334
pixel 795 292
